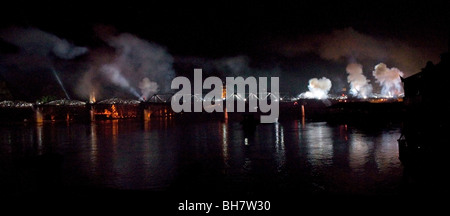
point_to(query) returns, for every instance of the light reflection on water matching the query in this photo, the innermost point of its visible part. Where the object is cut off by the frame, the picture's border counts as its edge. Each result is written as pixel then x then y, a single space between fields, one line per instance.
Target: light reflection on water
pixel 94 150
pixel 156 155
pixel 319 142
pixel 279 147
pixel 359 151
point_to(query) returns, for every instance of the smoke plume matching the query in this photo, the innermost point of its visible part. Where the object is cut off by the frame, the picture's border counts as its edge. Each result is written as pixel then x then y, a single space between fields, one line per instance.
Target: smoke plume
pixel 114 74
pixel 38 42
pixel 139 59
pixel 134 63
pixel 318 88
pixel 389 80
pixel 347 43
pixel 359 85
pixel 39 61
pixel 233 66
pixel 148 87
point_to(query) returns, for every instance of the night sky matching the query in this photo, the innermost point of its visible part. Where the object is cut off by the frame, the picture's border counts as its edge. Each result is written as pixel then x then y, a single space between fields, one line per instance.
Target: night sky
pixel 295 41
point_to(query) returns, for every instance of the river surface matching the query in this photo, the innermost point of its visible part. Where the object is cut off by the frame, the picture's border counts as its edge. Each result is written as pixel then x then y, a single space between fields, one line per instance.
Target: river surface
pixel 224 157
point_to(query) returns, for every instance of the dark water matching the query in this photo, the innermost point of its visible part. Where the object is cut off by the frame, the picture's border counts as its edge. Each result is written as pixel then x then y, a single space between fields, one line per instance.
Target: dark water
pixel 224 157
pixel 315 165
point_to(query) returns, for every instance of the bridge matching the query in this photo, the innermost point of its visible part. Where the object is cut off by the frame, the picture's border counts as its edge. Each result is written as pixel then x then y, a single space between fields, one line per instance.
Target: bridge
pixel 156 106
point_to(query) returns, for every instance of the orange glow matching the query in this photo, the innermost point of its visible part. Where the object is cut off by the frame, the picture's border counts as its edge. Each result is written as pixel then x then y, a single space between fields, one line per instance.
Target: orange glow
pixel 115 128
pixel 383 100
pixel 39 116
pixel 111 113
pixel 225 113
pixel 224 92
pixel 92 113
pixel 147 114
pixel 303 122
pixel 92 97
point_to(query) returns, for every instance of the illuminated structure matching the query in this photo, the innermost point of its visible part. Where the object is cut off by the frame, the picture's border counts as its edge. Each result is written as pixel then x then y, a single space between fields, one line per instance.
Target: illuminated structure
pixel 224 96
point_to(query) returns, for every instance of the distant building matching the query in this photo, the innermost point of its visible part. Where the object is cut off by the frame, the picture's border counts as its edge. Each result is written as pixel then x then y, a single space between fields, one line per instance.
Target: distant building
pixel 426 121
pixel 429 87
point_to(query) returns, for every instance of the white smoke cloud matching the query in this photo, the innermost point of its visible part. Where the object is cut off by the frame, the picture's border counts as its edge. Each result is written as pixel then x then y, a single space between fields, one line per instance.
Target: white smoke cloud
pixel 347 43
pixel 389 79
pixel 138 59
pixel 134 63
pixel 148 88
pixel 359 84
pixel 87 87
pixel 318 88
pixel 114 74
pixel 63 49
pixel 36 41
pixel 38 52
pixel 233 66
